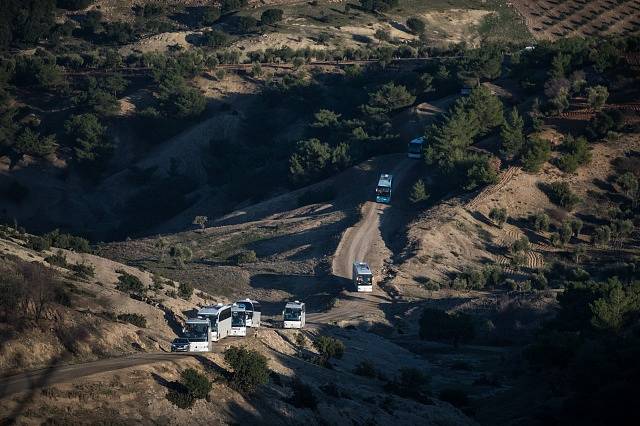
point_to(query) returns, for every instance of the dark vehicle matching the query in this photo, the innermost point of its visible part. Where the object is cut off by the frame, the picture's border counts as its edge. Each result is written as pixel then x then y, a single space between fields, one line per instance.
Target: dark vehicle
pixel 180 345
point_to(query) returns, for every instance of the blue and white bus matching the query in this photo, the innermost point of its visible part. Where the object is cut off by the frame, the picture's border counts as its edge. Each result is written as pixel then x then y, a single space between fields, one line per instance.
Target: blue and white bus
pixel 383 190
pixel 414 149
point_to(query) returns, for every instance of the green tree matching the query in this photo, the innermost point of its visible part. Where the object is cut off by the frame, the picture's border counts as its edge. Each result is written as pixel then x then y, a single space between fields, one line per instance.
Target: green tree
pixel 576 152
pixel 602 235
pixel 565 232
pixel 628 183
pixel 610 312
pixel 597 97
pixel 310 161
pixel 418 192
pixel 250 369
pixel 388 98
pixel 540 222
pixel 88 137
pixel 512 135
pixel 271 16
pixel 536 152
pixel 31 143
pixel 487 107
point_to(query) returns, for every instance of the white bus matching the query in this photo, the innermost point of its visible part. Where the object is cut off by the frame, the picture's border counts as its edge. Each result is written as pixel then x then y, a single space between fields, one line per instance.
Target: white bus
pixel 383 190
pixel 220 318
pixel 414 149
pixel 362 277
pixel 294 315
pixel 253 310
pixel 238 321
pixel 198 332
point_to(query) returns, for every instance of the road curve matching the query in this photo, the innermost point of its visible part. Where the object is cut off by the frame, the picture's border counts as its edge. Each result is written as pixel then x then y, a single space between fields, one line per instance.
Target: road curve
pixel 362 242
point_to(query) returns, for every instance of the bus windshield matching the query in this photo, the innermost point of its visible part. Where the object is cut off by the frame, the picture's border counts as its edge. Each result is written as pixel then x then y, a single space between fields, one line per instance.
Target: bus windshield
pixel 291 314
pixel 383 191
pixel 248 307
pixel 237 319
pixel 415 148
pixel 195 331
pixel 363 279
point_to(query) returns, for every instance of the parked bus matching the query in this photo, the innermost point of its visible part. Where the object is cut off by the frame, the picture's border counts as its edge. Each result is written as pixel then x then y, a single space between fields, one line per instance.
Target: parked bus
pixel 220 318
pixel 198 332
pixel 383 190
pixel 238 321
pixel 294 315
pixel 362 277
pixel 415 147
pixel 253 309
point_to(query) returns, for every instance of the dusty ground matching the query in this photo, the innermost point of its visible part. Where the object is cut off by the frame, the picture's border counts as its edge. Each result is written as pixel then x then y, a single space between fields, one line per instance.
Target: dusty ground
pixel 94 303
pixel 458 235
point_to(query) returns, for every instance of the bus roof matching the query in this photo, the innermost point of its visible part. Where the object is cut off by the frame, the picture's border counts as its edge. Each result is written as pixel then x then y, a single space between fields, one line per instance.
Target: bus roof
pixel 237 308
pixel 294 305
pixel 362 268
pixel 212 310
pixel 198 321
pixel 385 180
pixel 419 140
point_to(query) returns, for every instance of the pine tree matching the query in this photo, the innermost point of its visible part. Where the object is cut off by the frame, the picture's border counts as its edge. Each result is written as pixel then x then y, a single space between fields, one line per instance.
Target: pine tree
pixel 418 192
pixel 512 135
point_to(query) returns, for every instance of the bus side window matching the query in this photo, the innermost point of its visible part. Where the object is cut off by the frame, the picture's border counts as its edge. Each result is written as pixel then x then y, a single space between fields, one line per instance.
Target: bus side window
pixel 225 314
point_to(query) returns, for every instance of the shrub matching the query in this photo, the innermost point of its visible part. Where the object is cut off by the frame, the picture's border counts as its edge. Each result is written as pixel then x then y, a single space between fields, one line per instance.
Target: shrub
pixel 416 25
pixel 411 383
pixel 83 270
pixel 576 227
pixel 520 245
pixel 38 243
pixel 597 96
pixel 440 325
pixel 498 216
pixel 57 259
pixel 193 385
pixel 560 193
pixel 185 290
pixel 366 368
pixel 245 256
pixel 215 39
pixel 328 347
pixel 303 395
pixel 128 283
pixel 197 384
pixel 135 319
pixel 250 368
pixel 271 16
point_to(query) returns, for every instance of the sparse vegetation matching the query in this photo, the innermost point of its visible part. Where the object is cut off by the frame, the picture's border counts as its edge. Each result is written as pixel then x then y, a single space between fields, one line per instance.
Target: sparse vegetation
pixel 498 215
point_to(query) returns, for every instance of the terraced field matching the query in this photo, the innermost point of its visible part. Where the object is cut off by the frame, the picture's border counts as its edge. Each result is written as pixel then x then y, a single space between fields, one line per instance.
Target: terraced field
pixel 553 19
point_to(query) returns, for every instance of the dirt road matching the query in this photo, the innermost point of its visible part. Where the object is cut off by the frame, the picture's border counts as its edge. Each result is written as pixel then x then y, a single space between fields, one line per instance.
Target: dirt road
pixel 362 242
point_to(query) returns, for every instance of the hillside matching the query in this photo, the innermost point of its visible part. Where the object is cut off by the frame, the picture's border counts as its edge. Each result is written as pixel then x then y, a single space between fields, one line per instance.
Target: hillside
pixel 159 157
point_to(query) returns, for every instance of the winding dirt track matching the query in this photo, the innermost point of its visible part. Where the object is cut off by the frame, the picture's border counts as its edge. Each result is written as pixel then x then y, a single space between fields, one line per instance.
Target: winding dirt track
pixel 360 242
